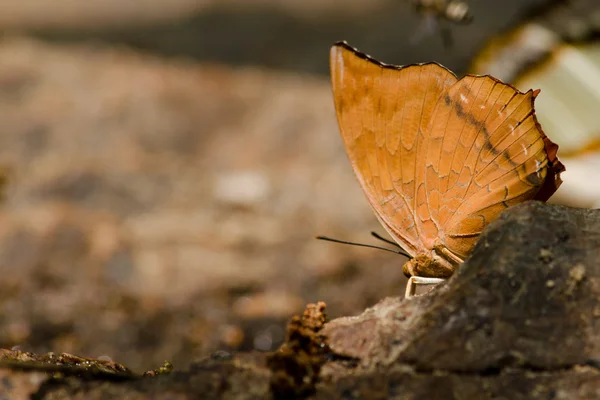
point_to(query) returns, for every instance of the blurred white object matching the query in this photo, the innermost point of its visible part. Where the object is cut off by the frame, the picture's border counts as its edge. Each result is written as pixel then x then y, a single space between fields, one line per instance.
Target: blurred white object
pixel 568 107
pixel 568 110
pixel 569 101
pixel 506 57
pixel 581 186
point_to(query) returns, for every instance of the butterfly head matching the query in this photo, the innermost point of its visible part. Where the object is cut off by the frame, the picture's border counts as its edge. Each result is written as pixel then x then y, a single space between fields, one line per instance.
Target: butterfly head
pixel 435 264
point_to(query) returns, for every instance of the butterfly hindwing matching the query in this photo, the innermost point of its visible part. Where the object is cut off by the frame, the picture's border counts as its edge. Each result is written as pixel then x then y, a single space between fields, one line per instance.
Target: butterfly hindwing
pixel 492 154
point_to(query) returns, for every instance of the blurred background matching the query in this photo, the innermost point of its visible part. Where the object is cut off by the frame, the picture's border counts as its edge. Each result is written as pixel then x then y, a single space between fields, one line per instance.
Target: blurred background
pixel 167 165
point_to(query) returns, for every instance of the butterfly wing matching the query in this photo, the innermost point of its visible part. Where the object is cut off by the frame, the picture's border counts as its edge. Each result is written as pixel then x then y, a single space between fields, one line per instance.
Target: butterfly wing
pixel 382 110
pixel 484 151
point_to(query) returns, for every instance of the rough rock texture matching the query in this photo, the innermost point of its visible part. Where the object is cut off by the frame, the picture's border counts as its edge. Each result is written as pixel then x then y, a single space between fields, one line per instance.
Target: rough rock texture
pixel 523 309
pixel 520 320
pixel 578 383
pixel 49 376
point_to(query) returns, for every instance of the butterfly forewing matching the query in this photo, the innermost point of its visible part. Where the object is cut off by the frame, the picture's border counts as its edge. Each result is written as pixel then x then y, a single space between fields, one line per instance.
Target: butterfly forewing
pixel 381 111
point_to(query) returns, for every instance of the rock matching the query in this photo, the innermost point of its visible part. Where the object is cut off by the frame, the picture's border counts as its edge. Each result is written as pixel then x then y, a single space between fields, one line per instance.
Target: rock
pixel 64 363
pixel 523 308
pixel 579 383
pixel 221 376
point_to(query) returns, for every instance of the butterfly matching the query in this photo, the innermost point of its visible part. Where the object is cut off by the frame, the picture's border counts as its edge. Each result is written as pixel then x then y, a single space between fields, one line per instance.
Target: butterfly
pixel 438 157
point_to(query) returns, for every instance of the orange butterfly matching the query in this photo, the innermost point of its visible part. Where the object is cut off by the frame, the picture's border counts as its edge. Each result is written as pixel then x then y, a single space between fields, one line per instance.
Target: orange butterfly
pixel 438 157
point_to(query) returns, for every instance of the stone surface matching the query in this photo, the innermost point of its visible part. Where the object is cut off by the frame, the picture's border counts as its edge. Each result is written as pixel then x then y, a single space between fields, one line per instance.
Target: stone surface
pixel 49 376
pixel 523 308
pixel 578 383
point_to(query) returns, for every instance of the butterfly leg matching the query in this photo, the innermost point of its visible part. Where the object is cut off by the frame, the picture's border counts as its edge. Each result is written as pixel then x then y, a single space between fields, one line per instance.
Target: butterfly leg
pixel 414 281
pixel 447 254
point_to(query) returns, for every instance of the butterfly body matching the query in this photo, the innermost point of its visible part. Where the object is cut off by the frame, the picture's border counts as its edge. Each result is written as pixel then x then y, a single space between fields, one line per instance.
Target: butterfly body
pixel 438 157
pixel 435 264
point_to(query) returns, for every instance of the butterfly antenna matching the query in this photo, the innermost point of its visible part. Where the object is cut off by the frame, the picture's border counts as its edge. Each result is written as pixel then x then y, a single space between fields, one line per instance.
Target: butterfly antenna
pixel 378 236
pixel 363 245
